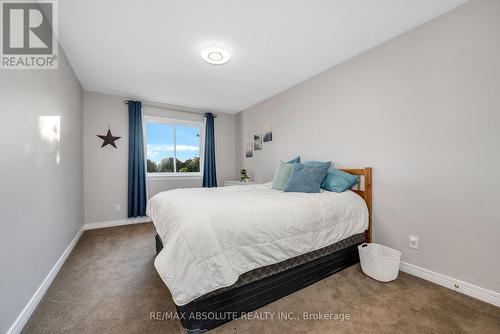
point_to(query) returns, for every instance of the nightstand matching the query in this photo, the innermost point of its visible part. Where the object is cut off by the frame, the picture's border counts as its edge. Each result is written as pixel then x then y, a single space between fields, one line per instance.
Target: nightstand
pixel 239 183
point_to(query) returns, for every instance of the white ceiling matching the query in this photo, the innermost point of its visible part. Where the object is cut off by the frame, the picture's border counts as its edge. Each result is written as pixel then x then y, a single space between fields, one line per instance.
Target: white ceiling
pixel 150 49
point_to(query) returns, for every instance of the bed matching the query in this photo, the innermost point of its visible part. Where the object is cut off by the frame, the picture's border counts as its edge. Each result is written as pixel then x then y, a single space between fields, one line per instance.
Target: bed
pixel 226 251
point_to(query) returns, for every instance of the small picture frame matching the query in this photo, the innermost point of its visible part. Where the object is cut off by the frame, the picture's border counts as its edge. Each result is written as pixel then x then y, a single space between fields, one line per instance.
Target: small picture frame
pixel 249 150
pixel 268 134
pixel 257 142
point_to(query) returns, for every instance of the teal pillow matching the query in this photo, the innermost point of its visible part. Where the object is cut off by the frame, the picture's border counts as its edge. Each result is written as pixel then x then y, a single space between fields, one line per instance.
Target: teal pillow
pixel 306 179
pixel 294 160
pixel 281 175
pixel 318 164
pixel 338 181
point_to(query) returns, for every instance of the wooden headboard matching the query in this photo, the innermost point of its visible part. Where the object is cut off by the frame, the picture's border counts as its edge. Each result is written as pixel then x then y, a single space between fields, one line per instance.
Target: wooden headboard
pixel 364 189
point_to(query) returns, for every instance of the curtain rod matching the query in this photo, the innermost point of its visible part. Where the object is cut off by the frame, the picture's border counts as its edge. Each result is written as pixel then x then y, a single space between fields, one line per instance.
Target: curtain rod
pixel 173 109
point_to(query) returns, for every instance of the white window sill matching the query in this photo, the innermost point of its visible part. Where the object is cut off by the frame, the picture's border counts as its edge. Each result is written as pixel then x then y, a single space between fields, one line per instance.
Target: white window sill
pixel 173 176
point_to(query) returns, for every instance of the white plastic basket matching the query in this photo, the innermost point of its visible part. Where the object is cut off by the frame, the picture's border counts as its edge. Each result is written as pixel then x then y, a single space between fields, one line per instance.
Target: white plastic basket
pixel 379 262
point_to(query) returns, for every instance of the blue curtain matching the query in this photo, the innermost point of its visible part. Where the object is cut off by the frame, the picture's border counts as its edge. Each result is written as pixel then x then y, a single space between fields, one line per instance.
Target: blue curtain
pixel 136 168
pixel 209 172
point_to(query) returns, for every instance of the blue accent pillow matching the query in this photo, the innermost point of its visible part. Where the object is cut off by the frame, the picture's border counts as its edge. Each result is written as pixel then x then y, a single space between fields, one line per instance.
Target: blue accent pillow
pixel 318 164
pixel 294 160
pixel 306 179
pixel 281 175
pixel 338 181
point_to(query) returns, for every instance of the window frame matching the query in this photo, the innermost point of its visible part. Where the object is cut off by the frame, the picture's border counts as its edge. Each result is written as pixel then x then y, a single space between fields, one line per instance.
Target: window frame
pixel 174 122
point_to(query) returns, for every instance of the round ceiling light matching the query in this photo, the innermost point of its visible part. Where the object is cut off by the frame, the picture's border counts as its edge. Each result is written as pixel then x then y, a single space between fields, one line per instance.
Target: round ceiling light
pixel 216 56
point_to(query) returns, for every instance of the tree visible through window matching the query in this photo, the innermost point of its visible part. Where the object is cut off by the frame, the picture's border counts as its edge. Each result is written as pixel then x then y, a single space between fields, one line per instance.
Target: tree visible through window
pixel 172 148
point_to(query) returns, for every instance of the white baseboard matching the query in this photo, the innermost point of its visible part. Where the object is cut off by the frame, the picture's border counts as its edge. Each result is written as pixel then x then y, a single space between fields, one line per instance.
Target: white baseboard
pixel 26 313
pixel 468 289
pixel 129 221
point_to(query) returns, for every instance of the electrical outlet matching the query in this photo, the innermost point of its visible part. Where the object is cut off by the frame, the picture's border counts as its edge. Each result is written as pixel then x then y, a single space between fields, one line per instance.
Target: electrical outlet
pixel 413 242
pixel 117 207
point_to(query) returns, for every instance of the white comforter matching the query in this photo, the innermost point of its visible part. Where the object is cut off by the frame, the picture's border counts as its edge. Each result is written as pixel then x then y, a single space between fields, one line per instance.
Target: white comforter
pixel 213 235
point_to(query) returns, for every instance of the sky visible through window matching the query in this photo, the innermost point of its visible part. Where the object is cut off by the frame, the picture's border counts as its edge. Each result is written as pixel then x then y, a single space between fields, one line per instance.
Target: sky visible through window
pixel 160 141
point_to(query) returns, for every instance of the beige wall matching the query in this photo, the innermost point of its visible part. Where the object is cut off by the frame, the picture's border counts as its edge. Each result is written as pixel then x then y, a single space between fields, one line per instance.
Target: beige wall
pixel 41 178
pixel 106 168
pixel 424 111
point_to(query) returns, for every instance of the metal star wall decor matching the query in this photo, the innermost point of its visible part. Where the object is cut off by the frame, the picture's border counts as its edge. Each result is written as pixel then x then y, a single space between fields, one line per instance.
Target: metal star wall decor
pixel 108 139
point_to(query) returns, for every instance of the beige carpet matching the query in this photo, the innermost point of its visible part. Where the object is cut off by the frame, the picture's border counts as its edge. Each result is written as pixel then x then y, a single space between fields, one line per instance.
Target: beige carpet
pixel 109 285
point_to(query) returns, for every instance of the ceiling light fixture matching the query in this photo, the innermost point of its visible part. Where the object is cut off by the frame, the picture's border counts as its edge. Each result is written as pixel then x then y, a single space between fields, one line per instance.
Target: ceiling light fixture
pixel 216 56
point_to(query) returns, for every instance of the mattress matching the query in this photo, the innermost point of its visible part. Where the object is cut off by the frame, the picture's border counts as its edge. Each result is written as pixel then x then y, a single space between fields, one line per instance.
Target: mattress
pixel 212 236
pixel 273 269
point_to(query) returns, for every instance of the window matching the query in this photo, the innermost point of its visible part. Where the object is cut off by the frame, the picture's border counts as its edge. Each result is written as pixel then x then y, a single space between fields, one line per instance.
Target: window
pixel 173 147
